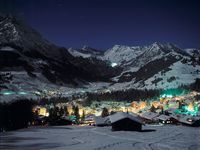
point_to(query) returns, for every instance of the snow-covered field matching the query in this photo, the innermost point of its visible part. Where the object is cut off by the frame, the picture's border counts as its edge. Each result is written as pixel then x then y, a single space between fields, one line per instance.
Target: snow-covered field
pixel 99 138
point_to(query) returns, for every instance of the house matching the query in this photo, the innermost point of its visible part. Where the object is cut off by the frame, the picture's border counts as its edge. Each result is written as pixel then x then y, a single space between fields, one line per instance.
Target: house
pixel 126 122
pixel 164 119
pixel 149 117
pixel 89 120
pixel 170 111
pixel 101 121
pixel 190 121
pixel 64 120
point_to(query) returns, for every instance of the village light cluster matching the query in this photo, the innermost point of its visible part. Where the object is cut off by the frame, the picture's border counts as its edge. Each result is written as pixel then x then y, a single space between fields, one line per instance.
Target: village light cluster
pixel 176 107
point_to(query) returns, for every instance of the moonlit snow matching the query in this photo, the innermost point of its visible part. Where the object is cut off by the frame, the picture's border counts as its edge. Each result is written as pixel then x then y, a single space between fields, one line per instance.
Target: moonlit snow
pixel 99 138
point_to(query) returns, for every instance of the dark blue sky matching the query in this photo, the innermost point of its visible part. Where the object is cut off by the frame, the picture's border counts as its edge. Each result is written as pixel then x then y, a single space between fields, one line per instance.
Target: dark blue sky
pixel 104 23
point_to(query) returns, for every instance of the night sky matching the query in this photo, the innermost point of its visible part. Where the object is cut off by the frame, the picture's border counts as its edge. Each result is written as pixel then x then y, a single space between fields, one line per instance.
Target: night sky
pixel 104 23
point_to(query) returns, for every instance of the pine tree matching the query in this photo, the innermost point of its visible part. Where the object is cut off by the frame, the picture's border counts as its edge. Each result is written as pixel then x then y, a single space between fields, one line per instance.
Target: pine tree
pixel 152 109
pixel 76 113
pixel 66 111
pixel 105 112
pixel 83 115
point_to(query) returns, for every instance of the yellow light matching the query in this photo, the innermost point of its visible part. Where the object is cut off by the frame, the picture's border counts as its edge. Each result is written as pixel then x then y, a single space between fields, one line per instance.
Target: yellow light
pixel 191 107
pixel 143 105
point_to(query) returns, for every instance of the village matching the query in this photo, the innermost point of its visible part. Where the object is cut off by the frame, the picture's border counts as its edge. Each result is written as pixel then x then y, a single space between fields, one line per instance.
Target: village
pixel 183 109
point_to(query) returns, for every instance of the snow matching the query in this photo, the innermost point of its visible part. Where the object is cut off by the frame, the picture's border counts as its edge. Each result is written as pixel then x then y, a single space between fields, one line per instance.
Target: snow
pixel 22 82
pixel 121 115
pixel 184 74
pixel 149 115
pixel 7 48
pixel 163 117
pixel 97 138
pixel 101 120
pixel 188 119
pixel 120 53
pixel 76 53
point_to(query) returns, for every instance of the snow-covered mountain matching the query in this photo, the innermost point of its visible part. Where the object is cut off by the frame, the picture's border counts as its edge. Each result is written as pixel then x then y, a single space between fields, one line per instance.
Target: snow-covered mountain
pixel 155 66
pixel 158 65
pixel 27 55
pixel 86 52
pixel 38 64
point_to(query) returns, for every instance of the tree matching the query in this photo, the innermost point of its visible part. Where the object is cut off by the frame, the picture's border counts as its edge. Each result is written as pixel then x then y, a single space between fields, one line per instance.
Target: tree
pixel 66 111
pixel 16 115
pixel 105 112
pixel 83 116
pixel 76 113
pixel 152 109
pixel 61 111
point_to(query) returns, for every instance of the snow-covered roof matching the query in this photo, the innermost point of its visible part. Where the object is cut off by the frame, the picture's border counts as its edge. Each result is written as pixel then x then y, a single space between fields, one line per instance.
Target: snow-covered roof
pixel 149 115
pixel 188 119
pixel 89 118
pixel 163 117
pixel 171 110
pixel 101 120
pixel 121 115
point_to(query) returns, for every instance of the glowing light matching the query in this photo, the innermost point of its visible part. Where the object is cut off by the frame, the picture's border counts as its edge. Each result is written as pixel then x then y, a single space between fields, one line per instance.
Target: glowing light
pixel 8 93
pixel 166 96
pixel 22 93
pixel 143 105
pixel 190 107
pixel 113 64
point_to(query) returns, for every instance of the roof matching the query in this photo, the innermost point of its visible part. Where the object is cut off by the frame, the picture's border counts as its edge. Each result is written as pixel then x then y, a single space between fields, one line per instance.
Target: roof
pixel 163 117
pixel 149 115
pixel 101 120
pixel 121 115
pixel 188 119
pixel 171 110
pixel 89 118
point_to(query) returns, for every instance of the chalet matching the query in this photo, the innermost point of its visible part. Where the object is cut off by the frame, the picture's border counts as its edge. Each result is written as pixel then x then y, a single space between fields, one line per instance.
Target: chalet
pixel 126 122
pixel 164 119
pixel 149 117
pixel 190 121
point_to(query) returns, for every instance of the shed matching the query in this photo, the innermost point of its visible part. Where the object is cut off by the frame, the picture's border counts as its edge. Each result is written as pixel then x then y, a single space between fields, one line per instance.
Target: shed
pixel 126 122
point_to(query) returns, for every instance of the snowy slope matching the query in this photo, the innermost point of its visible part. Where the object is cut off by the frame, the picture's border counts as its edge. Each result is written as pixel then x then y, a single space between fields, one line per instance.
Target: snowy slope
pixel 86 52
pixel 96 138
pixel 121 54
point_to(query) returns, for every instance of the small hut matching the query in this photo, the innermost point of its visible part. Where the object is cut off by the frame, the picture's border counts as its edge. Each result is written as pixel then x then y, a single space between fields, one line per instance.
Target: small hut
pixel 126 122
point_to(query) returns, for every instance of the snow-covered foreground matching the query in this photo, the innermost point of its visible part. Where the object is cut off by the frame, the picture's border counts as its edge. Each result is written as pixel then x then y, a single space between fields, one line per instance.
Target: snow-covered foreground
pixel 97 138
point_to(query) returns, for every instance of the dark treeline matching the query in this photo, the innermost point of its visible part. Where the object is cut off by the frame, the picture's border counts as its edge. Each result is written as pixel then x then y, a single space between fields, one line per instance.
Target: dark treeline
pixel 196 85
pixel 127 95
pixel 16 115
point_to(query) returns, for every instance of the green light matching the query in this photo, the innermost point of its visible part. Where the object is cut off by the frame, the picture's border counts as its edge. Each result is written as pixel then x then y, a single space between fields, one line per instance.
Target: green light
pixel 8 93
pixel 22 93
pixel 169 93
